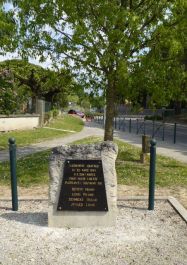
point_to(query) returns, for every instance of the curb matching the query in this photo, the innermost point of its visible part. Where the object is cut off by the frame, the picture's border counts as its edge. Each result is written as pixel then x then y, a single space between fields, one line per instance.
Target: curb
pixel 178 207
pixel 171 200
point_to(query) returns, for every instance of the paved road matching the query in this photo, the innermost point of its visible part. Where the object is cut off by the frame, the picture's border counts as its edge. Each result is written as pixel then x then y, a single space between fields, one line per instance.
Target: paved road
pixel 160 131
pixel 177 151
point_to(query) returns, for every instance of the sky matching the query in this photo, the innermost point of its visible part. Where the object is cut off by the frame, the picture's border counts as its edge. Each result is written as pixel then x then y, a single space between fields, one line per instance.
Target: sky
pixel 9 56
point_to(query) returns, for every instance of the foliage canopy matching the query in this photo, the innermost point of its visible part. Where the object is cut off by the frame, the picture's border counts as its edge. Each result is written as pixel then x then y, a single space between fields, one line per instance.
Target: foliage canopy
pixel 102 41
pixel 21 80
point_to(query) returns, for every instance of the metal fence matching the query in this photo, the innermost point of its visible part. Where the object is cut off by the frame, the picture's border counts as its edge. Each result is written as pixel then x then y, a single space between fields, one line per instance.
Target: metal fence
pixel 170 132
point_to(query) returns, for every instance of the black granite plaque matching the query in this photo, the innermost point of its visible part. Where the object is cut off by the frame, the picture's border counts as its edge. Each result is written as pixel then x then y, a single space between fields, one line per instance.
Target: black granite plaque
pixel 83 186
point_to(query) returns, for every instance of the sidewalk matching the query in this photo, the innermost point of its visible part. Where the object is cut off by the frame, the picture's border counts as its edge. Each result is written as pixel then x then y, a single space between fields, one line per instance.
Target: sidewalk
pixel 44 145
pixel 176 151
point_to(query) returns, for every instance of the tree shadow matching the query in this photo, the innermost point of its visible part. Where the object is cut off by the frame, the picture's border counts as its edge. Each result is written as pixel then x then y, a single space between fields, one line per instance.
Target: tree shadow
pixel 5 208
pixel 38 219
pixel 132 207
pixel 128 156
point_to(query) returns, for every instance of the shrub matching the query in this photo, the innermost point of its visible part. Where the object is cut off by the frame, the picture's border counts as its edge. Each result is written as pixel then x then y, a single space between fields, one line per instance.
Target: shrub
pixel 89 114
pixel 55 113
pixel 155 117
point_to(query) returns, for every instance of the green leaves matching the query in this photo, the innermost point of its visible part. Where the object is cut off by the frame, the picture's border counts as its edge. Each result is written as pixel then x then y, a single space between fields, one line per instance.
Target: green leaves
pixel 29 80
pixel 100 39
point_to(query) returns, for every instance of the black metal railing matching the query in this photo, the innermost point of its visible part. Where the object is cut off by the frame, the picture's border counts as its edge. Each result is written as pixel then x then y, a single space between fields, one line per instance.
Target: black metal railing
pixel 171 132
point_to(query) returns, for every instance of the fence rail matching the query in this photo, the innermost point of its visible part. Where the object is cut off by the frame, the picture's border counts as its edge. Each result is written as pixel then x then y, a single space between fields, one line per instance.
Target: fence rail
pixel 171 132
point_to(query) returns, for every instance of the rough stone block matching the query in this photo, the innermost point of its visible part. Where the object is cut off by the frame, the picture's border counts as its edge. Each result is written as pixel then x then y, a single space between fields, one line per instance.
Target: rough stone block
pixel 107 152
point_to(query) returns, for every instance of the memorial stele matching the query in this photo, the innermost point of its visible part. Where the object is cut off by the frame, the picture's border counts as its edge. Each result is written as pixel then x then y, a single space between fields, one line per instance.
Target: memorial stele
pixel 83 185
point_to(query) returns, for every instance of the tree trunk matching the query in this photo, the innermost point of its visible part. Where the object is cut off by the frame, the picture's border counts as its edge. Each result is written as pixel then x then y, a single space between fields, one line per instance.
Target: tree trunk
pixel 110 110
pixel 178 107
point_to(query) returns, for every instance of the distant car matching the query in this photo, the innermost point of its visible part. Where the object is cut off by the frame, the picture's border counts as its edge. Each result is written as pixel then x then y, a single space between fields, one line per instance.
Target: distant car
pixel 76 112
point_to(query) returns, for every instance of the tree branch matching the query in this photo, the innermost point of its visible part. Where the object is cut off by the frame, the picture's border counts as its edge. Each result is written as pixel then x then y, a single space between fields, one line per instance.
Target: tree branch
pixel 80 43
pixel 139 5
pixel 146 23
pixel 63 33
pixel 82 61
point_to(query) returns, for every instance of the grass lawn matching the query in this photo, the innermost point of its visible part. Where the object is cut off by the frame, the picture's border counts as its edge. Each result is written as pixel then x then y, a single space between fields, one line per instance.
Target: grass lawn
pixel 33 169
pixel 26 137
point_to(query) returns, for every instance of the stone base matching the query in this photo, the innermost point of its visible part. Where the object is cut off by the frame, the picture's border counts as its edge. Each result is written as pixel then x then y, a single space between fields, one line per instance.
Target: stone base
pixel 73 219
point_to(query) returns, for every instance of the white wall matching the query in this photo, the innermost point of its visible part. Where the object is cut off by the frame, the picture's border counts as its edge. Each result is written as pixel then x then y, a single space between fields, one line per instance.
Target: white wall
pixel 18 122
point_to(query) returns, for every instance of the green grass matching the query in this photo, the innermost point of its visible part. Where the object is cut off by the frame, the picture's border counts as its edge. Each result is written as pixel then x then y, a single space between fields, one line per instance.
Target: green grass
pixel 33 169
pixel 26 137
pixel 169 172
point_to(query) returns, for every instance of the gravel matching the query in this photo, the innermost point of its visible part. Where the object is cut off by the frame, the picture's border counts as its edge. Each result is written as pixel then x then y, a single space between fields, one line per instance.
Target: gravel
pixel 140 237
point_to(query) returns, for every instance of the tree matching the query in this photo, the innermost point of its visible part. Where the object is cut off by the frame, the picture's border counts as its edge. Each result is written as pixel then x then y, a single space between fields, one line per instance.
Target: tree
pixel 97 101
pixel 35 81
pixel 100 40
pixel 8 101
pixel 7 30
pixel 161 76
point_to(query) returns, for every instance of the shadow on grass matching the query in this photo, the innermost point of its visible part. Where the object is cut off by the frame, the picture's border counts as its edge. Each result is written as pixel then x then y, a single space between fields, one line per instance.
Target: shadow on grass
pixel 132 161
pixel 127 156
pixel 38 219
pixel 171 166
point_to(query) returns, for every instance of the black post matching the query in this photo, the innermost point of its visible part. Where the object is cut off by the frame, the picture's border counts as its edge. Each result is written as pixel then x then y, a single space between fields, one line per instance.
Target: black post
pixel 115 121
pixel 130 125
pixel 152 174
pixel 153 132
pixel 144 129
pixel 175 133
pixel 12 152
pixel 137 126
pixel 124 124
pixel 163 131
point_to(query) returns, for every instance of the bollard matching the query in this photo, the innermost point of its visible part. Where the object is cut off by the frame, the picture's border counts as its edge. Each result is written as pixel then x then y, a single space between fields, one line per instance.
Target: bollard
pixel 175 133
pixel 152 174
pixel 124 124
pixel 119 125
pixel 137 126
pixel 153 132
pixel 144 128
pixel 163 131
pixel 12 153
pixel 145 144
pixel 130 126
